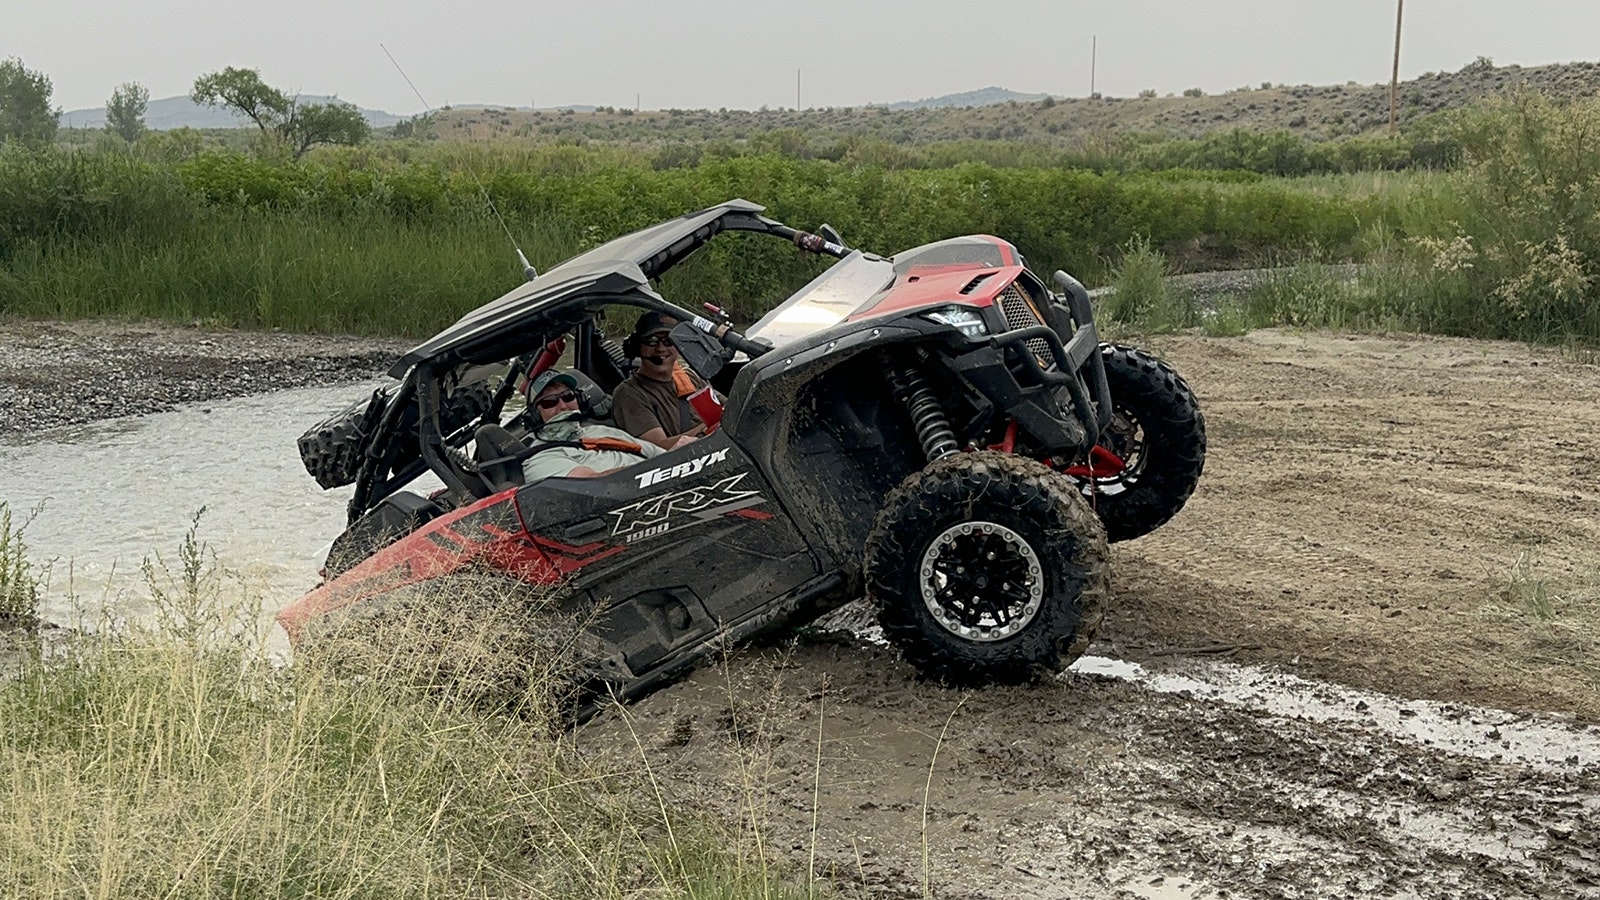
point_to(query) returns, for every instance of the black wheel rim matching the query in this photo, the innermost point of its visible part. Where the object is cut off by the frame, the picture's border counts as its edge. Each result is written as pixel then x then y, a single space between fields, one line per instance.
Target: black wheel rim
pixel 1126 438
pixel 981 581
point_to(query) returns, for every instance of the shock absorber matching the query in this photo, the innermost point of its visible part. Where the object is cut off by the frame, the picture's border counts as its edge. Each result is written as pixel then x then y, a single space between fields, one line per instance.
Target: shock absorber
pixel 927 416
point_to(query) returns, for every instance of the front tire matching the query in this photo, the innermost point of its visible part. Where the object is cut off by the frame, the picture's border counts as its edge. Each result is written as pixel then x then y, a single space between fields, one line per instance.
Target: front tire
pixel 1158 432
pixel 987 567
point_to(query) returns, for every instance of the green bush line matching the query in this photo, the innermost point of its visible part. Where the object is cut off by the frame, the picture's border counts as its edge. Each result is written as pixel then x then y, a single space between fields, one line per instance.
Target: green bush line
pixel 399 239
pixel 370 245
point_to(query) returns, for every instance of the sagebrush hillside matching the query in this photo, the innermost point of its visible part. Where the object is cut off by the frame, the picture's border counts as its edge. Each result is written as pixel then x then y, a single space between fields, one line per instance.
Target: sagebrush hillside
pixel 1315 112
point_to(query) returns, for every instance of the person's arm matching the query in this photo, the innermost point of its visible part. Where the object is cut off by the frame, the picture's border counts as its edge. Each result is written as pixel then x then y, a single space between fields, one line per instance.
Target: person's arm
pixel 586 472
pixel 659 437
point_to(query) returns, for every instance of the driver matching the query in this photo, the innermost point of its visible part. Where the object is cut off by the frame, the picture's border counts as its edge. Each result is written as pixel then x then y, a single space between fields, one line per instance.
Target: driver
pixel 565 446
pixel 653 404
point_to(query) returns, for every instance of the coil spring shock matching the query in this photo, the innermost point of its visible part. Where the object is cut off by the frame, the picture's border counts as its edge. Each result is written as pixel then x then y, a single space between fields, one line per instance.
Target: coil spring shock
pixel 927 416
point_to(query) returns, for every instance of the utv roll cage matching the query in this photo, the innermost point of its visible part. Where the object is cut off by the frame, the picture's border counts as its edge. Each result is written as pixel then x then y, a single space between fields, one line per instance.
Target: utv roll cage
pixel 527 319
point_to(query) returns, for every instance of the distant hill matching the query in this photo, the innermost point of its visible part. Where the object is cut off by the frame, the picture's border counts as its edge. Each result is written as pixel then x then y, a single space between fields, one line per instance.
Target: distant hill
pixel 1313 111
pixel 181 112
pixel 991 113
pixel 988 96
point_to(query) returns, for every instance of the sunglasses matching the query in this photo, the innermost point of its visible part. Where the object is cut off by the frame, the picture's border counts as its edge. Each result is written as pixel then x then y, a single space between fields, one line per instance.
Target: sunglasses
pixel 655 340
pixel 555 400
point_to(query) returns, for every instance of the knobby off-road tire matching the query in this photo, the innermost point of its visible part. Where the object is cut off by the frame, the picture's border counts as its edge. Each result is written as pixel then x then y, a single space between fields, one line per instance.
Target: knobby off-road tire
pixel 987 567
pixel 1158 430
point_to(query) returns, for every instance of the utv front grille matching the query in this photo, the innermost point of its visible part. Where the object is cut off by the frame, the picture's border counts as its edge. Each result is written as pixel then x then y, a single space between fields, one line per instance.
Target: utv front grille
pixel 1019 313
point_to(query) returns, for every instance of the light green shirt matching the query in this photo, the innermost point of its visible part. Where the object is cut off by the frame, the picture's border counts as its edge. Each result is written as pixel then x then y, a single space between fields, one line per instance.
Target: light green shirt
pixel 555 462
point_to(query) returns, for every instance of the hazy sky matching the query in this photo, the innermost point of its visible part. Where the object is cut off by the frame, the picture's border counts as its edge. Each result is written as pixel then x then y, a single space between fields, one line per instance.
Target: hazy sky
pixel 744 53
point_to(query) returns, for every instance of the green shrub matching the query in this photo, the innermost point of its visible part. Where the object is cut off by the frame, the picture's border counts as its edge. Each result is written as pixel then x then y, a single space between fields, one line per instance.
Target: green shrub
pixel 19 586
pixel 359 242
pixel 1528 245
pixel 1144 297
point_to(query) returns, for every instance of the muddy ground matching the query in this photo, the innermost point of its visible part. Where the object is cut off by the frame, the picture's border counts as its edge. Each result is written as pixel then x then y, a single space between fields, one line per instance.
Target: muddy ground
pixel 1410 516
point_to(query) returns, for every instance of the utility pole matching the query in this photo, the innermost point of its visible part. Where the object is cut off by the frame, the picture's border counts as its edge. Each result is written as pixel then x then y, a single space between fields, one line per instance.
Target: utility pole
pixel 1394 78
pixel 1094 50
pixel 796 90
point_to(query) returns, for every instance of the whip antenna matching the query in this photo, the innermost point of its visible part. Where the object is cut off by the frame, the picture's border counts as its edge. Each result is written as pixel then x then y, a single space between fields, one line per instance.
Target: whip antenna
pixel 527 267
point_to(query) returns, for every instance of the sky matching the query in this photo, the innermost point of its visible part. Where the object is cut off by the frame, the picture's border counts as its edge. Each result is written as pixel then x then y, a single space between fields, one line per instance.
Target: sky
pixel 743 54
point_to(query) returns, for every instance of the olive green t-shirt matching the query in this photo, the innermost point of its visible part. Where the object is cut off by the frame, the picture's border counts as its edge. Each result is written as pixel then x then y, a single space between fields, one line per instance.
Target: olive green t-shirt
pixel 640 404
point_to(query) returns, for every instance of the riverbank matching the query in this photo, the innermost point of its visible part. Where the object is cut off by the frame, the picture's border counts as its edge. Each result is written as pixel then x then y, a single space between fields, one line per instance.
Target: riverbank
pixel 69 373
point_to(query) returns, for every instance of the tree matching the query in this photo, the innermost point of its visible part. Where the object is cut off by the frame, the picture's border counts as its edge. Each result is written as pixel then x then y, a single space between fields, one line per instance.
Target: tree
pixel 125 110
pixel 325 123
pixel 243 91
pixel 298 126
pixel 25 112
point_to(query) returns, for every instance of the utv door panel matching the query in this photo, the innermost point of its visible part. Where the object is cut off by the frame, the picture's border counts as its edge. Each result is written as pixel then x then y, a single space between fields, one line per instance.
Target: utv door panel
pixel 698 520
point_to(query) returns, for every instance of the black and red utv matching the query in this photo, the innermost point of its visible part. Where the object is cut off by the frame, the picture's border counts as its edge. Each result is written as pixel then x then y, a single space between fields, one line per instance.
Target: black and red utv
pixel 939 430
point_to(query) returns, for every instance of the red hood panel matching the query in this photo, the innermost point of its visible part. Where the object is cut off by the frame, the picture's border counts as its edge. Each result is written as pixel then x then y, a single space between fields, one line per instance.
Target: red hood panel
pixel 930 286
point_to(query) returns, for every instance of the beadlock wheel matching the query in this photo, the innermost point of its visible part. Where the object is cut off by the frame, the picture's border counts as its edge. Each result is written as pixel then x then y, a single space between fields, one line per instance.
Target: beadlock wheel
pixel 981 581
pixel 987 567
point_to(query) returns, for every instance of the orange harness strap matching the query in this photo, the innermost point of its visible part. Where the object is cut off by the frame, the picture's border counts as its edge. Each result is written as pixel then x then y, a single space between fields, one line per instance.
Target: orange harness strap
pixel 682 383
pixel 607 443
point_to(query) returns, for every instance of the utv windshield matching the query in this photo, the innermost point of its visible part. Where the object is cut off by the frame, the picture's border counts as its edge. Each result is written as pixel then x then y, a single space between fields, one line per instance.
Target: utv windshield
pixel 829 299
pixel 855 283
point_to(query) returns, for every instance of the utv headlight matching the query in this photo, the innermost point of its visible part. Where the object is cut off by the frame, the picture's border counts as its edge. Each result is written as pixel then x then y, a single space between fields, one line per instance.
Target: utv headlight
pixel 964 319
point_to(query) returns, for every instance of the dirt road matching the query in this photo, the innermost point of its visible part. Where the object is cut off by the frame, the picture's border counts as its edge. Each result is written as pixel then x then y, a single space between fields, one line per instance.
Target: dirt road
pixel 1415 517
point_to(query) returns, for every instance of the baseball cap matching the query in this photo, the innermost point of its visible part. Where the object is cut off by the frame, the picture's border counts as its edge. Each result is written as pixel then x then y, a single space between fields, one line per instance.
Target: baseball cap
pixel 546 378
pixel 652 322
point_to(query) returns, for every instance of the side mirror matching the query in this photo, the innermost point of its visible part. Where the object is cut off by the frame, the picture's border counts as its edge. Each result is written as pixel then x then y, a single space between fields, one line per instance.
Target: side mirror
pixel 702 352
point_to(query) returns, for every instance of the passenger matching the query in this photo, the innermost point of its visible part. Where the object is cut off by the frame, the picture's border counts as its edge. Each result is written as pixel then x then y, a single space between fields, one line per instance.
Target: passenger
pixel 653 405
pixel 565 446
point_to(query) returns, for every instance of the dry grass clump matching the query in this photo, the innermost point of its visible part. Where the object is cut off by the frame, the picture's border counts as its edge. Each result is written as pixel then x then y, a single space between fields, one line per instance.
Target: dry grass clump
pixel 1554 616
pixel 174 758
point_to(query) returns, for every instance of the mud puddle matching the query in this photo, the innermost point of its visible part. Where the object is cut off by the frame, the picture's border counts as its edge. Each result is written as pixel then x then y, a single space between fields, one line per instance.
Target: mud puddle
pixel 1544 743
pixel 1195 780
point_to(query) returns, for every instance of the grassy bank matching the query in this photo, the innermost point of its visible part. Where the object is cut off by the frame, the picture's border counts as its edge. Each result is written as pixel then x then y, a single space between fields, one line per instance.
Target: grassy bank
pixel 172 758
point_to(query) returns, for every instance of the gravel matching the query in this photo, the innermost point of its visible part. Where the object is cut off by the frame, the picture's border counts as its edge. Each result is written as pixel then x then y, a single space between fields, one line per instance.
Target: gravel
pixel 67 373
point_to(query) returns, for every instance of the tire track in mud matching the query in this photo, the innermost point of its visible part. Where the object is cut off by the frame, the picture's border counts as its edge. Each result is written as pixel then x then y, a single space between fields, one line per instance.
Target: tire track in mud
pixel 1095 787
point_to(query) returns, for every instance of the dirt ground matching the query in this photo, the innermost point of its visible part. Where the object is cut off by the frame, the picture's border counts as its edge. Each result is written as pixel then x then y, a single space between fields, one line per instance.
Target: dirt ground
pixel 1411 516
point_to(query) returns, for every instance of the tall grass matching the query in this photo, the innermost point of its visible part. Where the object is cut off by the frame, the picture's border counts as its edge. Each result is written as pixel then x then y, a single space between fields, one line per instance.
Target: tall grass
pixel 363 242
pixel 400 239
pixel 1144 295
pixel 173 758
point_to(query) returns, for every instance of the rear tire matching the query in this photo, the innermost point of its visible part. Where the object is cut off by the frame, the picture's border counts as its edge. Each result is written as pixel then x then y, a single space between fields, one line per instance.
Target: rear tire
pixel 332 450
pixel 987 567
pixel 1158 431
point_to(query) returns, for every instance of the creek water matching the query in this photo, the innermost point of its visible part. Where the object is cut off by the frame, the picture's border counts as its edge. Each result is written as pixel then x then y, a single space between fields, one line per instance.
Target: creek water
pixel 111 494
